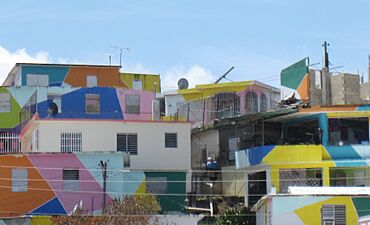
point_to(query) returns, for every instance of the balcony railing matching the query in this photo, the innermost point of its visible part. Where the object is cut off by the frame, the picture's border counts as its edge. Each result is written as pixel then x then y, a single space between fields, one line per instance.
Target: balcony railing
pixel 9 143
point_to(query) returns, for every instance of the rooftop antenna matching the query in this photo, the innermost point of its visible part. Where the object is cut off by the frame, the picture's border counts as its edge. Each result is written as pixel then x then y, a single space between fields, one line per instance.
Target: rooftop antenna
pixel 223 76
pixel 326 55
pixel 121 49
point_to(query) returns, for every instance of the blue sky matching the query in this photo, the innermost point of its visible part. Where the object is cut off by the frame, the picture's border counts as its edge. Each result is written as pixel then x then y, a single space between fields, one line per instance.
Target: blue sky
pixel 196 39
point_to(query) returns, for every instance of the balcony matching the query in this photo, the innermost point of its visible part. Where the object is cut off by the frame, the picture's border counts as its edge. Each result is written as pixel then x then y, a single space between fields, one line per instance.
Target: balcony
pixel 341 156
pixel 9 143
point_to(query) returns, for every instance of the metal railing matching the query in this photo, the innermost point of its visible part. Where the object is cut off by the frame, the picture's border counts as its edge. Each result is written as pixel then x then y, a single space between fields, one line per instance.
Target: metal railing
pixel 9 143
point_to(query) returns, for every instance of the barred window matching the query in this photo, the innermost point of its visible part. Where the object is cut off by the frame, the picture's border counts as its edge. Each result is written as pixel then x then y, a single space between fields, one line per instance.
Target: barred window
pixel 127 143
pixel 171 140
pixel 251 102
pixel 263 103
pixel 70 141
pixel 70 180
pixel 333 214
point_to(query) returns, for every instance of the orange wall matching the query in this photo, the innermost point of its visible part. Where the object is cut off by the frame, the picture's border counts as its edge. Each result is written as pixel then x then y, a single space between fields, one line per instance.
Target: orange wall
pixel 107 76
pixel 18 203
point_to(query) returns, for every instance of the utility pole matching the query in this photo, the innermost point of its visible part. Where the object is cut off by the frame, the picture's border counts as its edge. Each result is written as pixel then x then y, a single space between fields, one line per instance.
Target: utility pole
pixel 103 166
pixel 325 77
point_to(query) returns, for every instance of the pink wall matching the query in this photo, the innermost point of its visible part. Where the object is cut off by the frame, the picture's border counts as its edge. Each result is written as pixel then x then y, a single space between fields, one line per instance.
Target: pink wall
pixel 146 99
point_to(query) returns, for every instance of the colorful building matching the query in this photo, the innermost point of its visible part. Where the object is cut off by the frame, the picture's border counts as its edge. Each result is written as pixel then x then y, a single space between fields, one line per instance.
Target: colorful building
pixel 139 81
pixel 316 147
pixel 315 205
pixel 65 75
pixel 207 102
pixel 59 122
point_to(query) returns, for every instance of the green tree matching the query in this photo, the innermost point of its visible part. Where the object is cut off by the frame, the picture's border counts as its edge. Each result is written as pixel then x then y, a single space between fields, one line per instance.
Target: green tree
pixel 236 216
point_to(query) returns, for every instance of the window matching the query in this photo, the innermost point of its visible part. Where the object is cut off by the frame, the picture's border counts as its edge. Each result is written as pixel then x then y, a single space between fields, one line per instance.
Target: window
pixel 156 185
pixel 70 141
pixel 333 214
pixel 37 80
pixel 233 147
pixel 5 102
pixel 92 103
pixel 263 103
pixel 70 180
pixel 19 180
pixel 127 143
pixel 133 104
pixel 348 131
pixel 311 177
pixel 251 102
pixel 171 140
pixel 91 81
pixel 55 103
pixel 137 85
pixel 225 104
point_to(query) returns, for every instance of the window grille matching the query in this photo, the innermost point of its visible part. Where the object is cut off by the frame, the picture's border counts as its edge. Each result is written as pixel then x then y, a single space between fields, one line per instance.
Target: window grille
pixel 70 141
pixel 127 143
pixel 70 180
pixel 171 140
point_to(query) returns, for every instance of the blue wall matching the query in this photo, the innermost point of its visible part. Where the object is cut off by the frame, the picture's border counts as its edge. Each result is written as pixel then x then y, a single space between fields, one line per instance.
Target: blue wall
pixel 56 73
pixel 74 106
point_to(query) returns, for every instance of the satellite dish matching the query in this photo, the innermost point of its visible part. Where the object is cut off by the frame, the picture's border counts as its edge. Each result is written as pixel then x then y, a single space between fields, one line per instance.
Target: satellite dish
pixel 53 107
pixel 183 83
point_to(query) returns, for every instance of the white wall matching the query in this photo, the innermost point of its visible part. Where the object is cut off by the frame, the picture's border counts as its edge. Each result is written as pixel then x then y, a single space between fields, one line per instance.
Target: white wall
pixel 101 136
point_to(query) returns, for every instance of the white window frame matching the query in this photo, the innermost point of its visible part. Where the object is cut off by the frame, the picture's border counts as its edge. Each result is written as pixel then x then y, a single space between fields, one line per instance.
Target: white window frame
pixel 5 102
pixel 70 141
pixel 19 180
pixel 39 80
pixel 137 85
pixel 91 81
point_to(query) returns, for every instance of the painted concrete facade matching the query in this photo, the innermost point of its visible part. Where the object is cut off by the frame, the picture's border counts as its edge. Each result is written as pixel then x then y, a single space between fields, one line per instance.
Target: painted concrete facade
pixel 44 190
pixel 149 82
pixel 202 104
pixel 111 103
pixel 65 75
pixel 101 136
pixel 307 210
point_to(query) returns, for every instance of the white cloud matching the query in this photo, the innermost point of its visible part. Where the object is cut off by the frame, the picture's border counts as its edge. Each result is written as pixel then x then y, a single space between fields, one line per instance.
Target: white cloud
pixel 8 60
pixel 195 75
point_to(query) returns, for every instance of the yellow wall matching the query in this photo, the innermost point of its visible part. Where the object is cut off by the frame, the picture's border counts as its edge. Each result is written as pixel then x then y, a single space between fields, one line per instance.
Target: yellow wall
pixel 297 157
pixel 151 82
pixel 311 214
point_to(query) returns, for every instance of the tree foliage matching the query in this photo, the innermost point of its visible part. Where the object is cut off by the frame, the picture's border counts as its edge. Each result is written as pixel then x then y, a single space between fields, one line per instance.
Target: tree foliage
pixel 236 216
pixel 130 210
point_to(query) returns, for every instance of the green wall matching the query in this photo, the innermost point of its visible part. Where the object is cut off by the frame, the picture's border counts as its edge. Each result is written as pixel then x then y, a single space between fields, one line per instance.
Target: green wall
pixel 172 202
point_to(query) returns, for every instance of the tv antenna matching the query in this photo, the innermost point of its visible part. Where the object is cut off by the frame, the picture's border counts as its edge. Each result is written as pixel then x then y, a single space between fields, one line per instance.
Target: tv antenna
pixel 224 76
pixel 121 49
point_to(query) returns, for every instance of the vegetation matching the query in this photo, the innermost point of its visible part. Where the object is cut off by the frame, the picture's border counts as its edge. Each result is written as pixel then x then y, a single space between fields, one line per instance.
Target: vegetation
pixel 130 210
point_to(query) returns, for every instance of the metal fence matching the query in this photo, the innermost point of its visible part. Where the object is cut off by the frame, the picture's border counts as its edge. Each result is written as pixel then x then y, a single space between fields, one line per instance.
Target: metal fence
pixel 9 143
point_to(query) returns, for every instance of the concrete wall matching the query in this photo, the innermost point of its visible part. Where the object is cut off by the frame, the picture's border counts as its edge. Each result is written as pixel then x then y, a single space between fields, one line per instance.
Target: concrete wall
pixel 100 136
pixel 204 140
pixel 232 181
pixel 345 89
